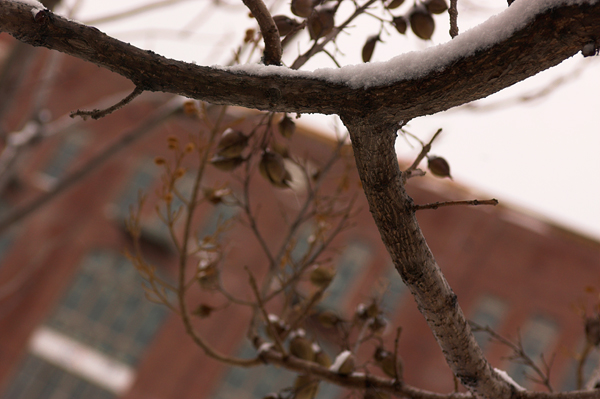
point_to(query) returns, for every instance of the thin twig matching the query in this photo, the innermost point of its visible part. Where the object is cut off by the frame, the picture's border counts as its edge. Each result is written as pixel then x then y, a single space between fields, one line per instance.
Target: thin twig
pixel 101 113
pixel 261 306
pixel 436 205
pixel 163 113
pixel 453 13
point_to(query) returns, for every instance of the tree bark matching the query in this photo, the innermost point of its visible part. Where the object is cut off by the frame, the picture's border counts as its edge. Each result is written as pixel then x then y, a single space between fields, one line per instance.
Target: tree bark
pixel 373 143
pixel 547 40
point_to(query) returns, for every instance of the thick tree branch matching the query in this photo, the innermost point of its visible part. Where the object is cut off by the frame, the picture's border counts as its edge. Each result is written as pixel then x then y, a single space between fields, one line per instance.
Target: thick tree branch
pixel 549 38
pixel 394 214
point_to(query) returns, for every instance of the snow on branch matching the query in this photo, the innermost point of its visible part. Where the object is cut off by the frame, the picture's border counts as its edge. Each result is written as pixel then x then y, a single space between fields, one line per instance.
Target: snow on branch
pixel 528 37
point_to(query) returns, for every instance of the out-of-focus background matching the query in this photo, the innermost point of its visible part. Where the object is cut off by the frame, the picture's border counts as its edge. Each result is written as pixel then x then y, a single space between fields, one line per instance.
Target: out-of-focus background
pixel 74 319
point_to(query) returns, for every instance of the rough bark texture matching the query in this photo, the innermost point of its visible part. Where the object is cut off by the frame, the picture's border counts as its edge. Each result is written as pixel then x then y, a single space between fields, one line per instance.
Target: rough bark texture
pixel 550 38
pixel 373 143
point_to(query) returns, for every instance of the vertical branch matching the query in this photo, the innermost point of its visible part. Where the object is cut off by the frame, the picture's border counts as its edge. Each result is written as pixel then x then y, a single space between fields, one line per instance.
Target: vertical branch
pixel 453 12
pixel 270 33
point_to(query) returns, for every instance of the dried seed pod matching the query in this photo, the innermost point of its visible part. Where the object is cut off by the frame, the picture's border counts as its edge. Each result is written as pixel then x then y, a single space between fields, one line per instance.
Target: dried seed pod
pixel 438 166
pixel 321 357
pixel 421 23
pixel 378 324
pixel 394 4
pixel 328 319
pixel 343 364
pixel 305 387
pixel 400 23
pixel 203 311
pixel 285 24
pixel 287 127
pixel 436 6
pixel 232 143
pixel 272 168
pixel 321 21
pixel 226 164
pixel 321 276
pixel 385 361
pixel 249 36
pixel 302 348
pixel 302 8
pixel 367 50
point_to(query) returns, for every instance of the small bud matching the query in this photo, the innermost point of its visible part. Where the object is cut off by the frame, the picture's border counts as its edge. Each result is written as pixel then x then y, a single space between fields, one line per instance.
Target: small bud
pixel 369 47
pixel 438 166
pixel 436 6
pixel 249 35
pixel 159 161
pixel 422 23
pixel 189 147
pixel 589 49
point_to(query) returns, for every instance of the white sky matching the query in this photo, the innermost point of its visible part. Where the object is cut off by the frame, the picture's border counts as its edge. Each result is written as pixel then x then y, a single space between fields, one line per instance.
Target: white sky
pixel 541 156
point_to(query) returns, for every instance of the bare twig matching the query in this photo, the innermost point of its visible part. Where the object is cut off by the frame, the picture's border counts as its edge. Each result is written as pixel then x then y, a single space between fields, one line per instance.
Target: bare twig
pixel 261 306
pixel 163 113
pixel 453 13
pixel 101 113
pixel 436 205
pixel 408 173
pixel 519 354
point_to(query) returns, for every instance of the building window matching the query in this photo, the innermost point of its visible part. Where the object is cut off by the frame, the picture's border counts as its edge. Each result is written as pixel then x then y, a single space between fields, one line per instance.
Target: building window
pixel 353 259
pixel 97 334
pixel 537 339
pixel 142 180
pixel 258 382
pixel 395 291
pixel 592 363
pixel 489 312
pixel 67 152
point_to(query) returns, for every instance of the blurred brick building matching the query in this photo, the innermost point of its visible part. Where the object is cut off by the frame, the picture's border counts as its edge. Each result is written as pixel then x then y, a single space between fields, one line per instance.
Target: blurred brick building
pixel 74 322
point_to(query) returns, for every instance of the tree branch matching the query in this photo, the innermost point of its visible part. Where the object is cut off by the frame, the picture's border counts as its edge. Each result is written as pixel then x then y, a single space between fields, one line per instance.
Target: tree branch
pixel 270 33
pixel 544 40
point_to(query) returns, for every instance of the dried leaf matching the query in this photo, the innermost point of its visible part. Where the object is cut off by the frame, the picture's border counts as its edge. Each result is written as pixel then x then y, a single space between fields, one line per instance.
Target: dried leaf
pixel 392 4
pixel 285 24
pixel 321 22
pixel 369 47
pixel 421 23
pixel 226 164
pixel 436 6
pixel 438 166
pixel 287 127
pixel 302 8
pixel 232 143
pixel 400 23
pixel 272 168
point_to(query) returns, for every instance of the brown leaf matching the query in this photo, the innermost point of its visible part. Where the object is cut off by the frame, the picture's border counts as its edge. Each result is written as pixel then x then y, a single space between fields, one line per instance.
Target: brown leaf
pixel 232 143
pixel 394 4
pixel 302 8
pixel 285 24
pixel 321 22
pixel 400 23
pixel 272 168
pixel 367 50
pixel 421 23
pixel 226 164
pixel 436 6
pixel 287 127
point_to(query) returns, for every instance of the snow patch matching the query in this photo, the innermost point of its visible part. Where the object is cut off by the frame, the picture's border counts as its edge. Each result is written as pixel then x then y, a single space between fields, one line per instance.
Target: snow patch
pixel 415 64
pixel 508 379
